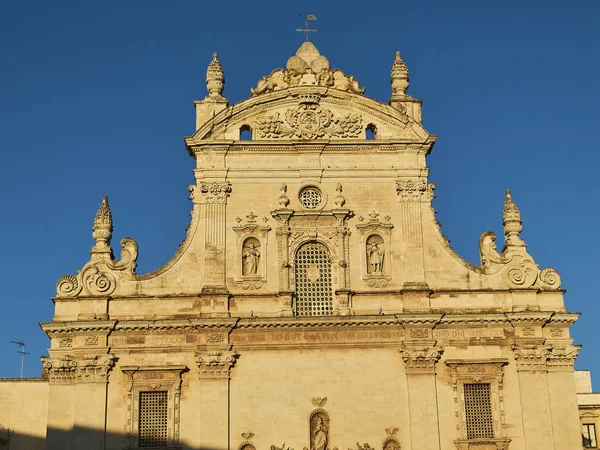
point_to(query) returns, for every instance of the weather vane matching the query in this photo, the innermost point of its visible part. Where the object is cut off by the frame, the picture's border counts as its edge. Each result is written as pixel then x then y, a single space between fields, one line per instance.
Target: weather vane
pixel 306 29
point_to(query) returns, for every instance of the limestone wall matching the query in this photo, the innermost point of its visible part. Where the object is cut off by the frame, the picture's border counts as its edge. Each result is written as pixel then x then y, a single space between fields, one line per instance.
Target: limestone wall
pixel 24 410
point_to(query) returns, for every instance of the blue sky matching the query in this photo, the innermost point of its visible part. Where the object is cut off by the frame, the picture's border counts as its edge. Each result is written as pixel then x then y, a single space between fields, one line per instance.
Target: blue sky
pixel 95 98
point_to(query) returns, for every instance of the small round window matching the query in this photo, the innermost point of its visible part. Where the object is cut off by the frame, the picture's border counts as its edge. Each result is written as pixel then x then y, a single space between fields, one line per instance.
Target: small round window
pixel 310 197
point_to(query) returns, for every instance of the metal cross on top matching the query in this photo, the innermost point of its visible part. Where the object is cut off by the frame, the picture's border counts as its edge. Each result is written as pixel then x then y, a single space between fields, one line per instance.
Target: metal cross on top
pixel 306 29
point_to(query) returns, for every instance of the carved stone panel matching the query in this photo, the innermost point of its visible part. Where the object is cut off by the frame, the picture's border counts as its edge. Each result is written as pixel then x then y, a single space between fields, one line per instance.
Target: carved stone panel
pixel 319 430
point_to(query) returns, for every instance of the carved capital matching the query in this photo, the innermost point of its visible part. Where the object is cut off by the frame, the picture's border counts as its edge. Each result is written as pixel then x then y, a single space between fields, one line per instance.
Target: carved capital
pixel 216 192
pixel 420 359
pixel 562 359
pixel 531 358
pixel 414 190
pixel 89 368
pixel 216 363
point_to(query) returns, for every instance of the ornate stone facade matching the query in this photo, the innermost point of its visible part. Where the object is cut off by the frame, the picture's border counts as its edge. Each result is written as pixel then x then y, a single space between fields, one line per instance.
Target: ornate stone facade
pixel 314 299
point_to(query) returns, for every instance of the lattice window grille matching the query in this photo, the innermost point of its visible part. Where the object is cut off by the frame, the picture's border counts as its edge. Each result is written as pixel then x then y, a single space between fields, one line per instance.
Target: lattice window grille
pixel 310 197
pixel 313 281
pixel 478 409
pixel 153 419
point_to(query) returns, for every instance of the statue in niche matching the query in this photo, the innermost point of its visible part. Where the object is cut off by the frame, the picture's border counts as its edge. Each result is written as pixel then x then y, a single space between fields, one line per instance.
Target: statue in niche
pixel 250 257
pixel 375 255
pixel 319 431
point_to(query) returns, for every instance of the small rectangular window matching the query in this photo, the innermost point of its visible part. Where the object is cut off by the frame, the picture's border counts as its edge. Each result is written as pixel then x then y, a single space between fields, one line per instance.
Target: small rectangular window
pixel 153 419
pixel 589 435
pixel 478 409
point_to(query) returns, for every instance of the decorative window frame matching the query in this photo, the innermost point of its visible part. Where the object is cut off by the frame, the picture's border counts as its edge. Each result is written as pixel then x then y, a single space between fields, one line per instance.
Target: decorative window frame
pixel 259 232
pixel 153 378
pixel 316 185
pixel 374 227
pixel 488 371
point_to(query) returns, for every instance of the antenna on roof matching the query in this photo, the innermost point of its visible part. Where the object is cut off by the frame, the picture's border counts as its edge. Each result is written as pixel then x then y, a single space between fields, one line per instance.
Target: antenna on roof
pixel 306 29
pixel 22 351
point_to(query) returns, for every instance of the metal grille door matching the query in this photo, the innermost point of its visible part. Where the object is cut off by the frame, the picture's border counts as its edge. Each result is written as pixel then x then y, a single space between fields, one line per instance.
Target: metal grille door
pixel 313 281
pixel 478 410
pixel 153 419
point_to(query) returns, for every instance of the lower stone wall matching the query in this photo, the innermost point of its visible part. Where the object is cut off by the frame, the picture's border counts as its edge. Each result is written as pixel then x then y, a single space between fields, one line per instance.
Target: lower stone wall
pixel 24 411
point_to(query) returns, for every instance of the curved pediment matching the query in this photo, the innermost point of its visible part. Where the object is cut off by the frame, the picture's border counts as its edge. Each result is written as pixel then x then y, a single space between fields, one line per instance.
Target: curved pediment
pixel 310 112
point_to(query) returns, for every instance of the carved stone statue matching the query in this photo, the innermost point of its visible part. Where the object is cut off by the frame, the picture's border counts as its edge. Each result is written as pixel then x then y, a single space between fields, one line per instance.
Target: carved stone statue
pixel 319 435
pixel 251 258
pixel 376 256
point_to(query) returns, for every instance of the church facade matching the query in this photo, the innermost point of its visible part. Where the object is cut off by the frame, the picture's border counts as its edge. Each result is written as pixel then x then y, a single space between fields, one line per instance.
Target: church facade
pixel 314 303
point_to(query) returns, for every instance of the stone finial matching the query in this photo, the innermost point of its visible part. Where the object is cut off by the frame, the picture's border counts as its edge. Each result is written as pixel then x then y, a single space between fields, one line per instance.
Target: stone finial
pixel 215 79
pixel 283 199
pixel 103 227
pixel 399 77
pixel 339 199
pixel 511 220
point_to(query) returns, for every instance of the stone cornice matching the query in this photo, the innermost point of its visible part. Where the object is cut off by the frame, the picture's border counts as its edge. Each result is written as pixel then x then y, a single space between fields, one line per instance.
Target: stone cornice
pixel 56 328
pixel 320 322
pixel 529 318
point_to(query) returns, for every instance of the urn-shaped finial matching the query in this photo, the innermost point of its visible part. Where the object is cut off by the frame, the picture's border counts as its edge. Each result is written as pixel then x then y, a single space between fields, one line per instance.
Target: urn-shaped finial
pixel 511 220
pixel 215 79
pixel 339 199
pixel 103 227
pixel 283 199
pixel 399 77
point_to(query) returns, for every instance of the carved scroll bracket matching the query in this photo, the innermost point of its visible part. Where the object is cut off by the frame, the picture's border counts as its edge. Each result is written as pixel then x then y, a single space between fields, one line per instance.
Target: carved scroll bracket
pixel 416 190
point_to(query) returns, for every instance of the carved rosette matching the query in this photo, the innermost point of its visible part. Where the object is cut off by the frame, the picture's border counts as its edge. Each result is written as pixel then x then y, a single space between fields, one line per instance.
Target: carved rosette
pixel 215 192
pixel 531 358
pixel 309 121
pixel 421 359
pixel 414 190
pixel 216 363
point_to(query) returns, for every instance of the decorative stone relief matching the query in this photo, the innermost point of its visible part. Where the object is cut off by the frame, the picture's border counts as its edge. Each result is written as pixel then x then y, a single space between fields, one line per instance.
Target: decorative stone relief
pixel 309 121
pixel 414 190
pixel 307 68
pixel 391 441
pixel 319 402
pixel 216 363
pixel 420 359
pixel 246 444
pixel 216 192
pixel 516 267
pixel 100 275
pixel 375 237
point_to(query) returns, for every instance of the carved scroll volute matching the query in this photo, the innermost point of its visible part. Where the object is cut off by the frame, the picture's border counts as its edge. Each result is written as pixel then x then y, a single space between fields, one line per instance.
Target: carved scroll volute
pixel 100 275
pixel 516 268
